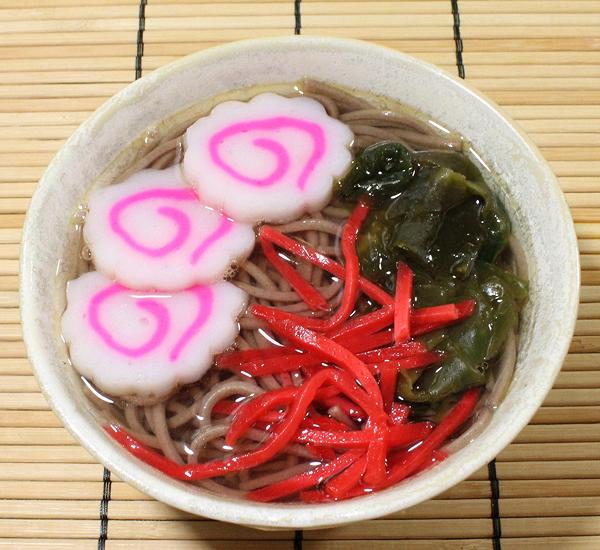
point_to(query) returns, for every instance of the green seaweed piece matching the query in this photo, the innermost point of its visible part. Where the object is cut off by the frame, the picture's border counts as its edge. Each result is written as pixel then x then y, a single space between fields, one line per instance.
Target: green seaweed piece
pixel 380 172
pixel 434 211
pixel 473 344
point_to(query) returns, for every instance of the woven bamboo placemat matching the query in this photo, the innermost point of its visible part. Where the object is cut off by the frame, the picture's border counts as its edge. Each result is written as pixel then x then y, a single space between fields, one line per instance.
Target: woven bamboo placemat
pixel 60 59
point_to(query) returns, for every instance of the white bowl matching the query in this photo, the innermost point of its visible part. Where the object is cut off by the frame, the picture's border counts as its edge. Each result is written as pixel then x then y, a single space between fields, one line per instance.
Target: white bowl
pixel 528 188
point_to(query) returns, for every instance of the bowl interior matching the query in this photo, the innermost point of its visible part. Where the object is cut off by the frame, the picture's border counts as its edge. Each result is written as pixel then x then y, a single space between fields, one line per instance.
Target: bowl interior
pixel 528 188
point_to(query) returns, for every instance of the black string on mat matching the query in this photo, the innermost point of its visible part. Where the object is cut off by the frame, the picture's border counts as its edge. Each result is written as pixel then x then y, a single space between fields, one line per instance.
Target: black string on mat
pixel 458 43
pixel 298 538
pixel 297 17
pixel 106 486
pixel 495 502
pixel 140 38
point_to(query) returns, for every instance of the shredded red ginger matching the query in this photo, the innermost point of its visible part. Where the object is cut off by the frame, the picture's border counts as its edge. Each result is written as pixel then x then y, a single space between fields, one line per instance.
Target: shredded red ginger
pixel 347 361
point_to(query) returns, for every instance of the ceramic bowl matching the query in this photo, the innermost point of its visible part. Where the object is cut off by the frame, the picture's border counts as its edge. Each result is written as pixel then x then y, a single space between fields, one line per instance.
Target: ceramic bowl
pixel 527 186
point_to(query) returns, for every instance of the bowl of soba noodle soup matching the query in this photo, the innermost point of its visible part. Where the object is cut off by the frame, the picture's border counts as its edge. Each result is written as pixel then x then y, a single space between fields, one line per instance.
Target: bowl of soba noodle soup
pixel 297 282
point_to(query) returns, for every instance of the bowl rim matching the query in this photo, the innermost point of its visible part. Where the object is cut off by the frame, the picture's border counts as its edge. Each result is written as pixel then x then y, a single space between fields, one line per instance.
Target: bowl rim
pixel 271 516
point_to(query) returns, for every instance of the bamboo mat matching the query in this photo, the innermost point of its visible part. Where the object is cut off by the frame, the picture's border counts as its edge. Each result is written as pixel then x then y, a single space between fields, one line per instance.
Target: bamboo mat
pixel 60 59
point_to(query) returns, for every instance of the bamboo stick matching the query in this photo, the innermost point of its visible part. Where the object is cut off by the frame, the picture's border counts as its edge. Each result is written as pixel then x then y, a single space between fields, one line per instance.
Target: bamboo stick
pixel 23 160
pixel 549 451
pixel 583 327
pixel 529 32
pixel 581 84
pixel 585 379
pixel 559 433
pixel 9 315
pixel 567 415
pixel 528 6
pixel 121 37
pixel 503 57
pixel 61 490
pixel 590 277
pixel 31 145
pixel 24 402
pixel 12 206
pixel 19 384
pixel 44 91
pixel 584 344
pixel 15 366
pixel 21 189
pixel 540 97
pixel 376 32
pixel 33 453
pixel 391 529
pixel 560 125
pixel 9 299
pixel 52 509
pixel 208 545
pixel 581 361
pixel 51 472
pixel 58 118
pixel 25 65
pixel 11 267
pixel 574 155
pixel 62 543
pixel 483 21
pixel 65 12
pixel 48 529
pixel 41 76
pixel 41 419
pixel 8 295
pixel 543 112
pixel 91 25
pixel 549 488
pixel 544 507
pixel 42 436
pixel 589 294
pixel 35 105
pixel 553 543
pixel 10 332
pixel 59 50
pixel 579 469
pixel 578 200
pixel 567 397
pixel 522 527
pixel 576 184
pixel 54 3
pixel 550 69
pixel 590 246
pixel 560 140
pixel 8 236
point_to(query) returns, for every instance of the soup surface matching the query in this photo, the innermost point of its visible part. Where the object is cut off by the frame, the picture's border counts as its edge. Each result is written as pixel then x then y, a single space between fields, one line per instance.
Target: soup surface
pixel 305 295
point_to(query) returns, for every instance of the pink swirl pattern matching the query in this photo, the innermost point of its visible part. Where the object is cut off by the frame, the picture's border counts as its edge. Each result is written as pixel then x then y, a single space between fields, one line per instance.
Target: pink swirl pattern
pixel 181 220
pixel 270 159
pixel 225 227
pixel 157 310
pixel 315 132
pixel 146 343
pixel 205 301
pixel 152 232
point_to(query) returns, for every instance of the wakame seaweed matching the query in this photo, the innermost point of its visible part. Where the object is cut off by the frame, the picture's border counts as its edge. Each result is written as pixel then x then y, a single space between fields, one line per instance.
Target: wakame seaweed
pixel 434 211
